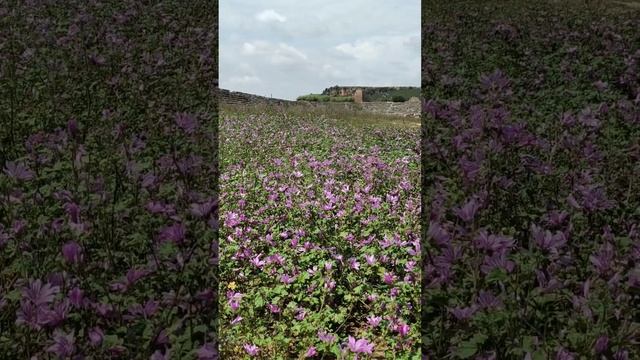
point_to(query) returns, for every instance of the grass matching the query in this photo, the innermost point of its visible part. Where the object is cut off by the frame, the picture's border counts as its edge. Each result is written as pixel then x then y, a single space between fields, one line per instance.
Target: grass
pixel 345 116
pixel 325 98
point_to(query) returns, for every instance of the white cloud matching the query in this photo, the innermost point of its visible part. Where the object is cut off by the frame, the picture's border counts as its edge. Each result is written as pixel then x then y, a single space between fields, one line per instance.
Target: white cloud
pixel 270 15
pixel 251 49
pixel 246 79
pixel 412 42
pixel 332 71
pixel 377 48
pixel 277 54
pixel 326 43
pixel 362 50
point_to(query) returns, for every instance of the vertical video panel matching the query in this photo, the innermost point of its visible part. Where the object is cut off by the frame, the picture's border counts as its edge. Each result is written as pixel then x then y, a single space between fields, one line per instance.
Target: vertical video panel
pixel 531 159
pixel 319 186
pixel 108 132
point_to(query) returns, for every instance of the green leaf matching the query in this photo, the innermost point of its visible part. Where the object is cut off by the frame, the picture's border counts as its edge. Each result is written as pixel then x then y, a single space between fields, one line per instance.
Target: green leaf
pixel 14 295
pixel 470 347
pixel 258 301
pixel 539 355
pixel 202 328
pixel 335 349
pixel 111 340
pixel 496 276
pixel 466 350
pixel 527 343
pixel 147 333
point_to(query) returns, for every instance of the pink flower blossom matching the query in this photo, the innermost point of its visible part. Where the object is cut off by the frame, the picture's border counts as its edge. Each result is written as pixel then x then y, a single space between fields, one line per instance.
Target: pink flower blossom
pixel 311 352
pixel 251 349
pixel 360 345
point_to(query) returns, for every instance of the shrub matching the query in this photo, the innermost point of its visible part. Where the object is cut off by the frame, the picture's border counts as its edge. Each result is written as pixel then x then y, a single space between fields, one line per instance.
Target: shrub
pixel 341 99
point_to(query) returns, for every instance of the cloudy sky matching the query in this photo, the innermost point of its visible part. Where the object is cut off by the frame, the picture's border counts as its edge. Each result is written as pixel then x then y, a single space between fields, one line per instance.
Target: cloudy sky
pixel 288 48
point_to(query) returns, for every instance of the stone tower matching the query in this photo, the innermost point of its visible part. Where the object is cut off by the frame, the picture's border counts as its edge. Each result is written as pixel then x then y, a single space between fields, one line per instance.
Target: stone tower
pixel 357 96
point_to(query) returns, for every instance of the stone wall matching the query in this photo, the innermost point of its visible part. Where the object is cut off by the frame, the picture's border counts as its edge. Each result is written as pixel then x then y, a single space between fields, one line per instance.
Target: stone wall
pixel 368 92
pixel 341 90
pixel 236 97
pixel 409 108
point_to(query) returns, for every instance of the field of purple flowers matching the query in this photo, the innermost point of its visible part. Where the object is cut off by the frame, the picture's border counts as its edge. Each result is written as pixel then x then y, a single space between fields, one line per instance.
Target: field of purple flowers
pixel 319 237
pixel 107 179
pixel 531 161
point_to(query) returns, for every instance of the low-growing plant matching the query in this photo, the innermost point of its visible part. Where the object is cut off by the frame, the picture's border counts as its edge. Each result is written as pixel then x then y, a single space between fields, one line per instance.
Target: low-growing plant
pixel 320 249
pixel 108 168
pixel 530 160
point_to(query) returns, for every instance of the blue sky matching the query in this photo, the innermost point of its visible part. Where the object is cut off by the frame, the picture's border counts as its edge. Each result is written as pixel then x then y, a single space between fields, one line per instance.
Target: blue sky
pixel 287 48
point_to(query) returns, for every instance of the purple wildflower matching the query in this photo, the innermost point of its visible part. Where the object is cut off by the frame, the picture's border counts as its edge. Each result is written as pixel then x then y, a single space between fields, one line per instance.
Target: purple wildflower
pixel 72 128
pixel 232 219
pixel 39 293
pixel 286 279
pixel 72 252
pixel 236 320
pixel 486 300
pixel 545 240
pixel 4 237
pixel 326 337
pixel 187 122
pixel 438 234
pixel 564 354
pixel 76 297
pixel 468 211
pixel 461 313
pixel 159 355
pixel 58 314
pixel 497 261
pixel 31 315
pixel 257 262
pixel 175 233
pixel 494 243
pixel 132 276
pixel 202 209
pixel 360 345
pixel 18 171
pixel 63 345
pixel 602 344
pixel 208 351
pixel 403 329
pixel 251 349
pixel 621 354
pixel 374 320
pixel 603 259
pixel 97 60
pixel 371 259
pixel 311 352
pixel 95 336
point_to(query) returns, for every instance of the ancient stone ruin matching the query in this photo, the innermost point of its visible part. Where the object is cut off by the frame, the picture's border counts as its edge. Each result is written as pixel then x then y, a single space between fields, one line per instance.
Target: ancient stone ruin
pixel 410 108
pixel 362 94
pixel 357 96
